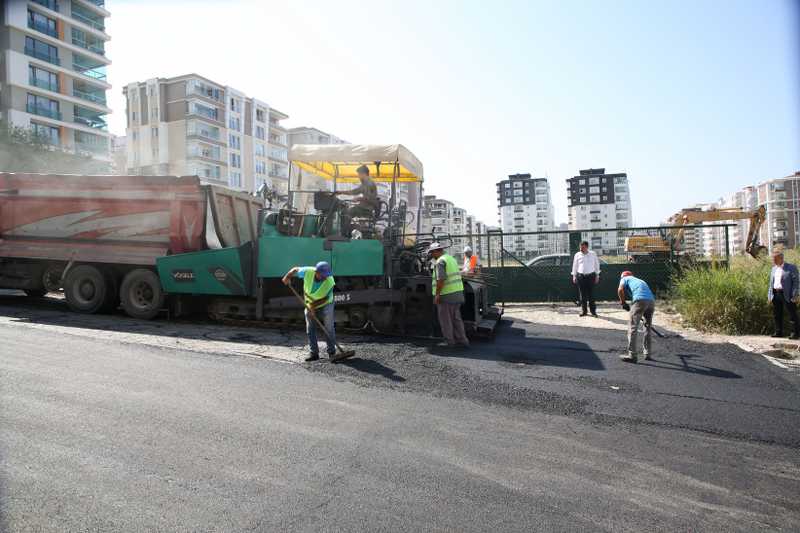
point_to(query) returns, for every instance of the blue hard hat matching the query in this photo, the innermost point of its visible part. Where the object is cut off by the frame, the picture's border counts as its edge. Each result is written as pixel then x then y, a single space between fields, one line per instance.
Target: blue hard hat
pixel 323 269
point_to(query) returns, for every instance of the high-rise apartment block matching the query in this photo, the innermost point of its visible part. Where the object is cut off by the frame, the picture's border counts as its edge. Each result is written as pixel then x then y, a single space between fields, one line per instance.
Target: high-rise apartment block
pixel 53 72
pixel 524 205
pixel 781 197
pixel 190 125
pixel 597 200
pixel 441 218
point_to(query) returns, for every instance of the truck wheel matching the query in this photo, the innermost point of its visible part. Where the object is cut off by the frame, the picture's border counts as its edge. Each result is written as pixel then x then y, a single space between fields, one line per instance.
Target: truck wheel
pixel 51 278
pixel 141 294
pixel 86 289
pixel 35 293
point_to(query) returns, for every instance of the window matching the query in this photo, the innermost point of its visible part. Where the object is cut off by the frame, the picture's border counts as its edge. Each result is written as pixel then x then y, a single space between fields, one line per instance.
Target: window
pixel 48 133
pixel 236 180
pixel 133 116
pixel 44 79
pixel 261 150
pixel 518 200
pixel 261 167
pixel 135 136
pixel 594 198
pixel 236 161
pixel 235 142
pixel 39 105
pixel 582 191
pixel 594 181
pixel 39 50
pixel 39 22
pixel 236 105
pixel 154 133
pixel 198 87
pixel 235 123
pixel 517 193
pixel 517 184
pixel 594 190
pixel 260 115
pixel 261 133
pixel 506 185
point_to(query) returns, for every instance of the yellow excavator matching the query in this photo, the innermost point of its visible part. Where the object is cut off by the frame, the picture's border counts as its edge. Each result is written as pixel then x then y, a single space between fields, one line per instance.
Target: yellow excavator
pixel 641 246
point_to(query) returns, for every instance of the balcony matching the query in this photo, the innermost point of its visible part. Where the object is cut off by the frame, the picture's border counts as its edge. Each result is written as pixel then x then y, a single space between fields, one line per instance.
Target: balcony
pixel 93 23
pixel 89 119
pixel 88 67
pixel 43 111
pixel 95 48
pixel 97 98
pixel 41 55
pixel 49 4
pixel 43 28
pixel 43 84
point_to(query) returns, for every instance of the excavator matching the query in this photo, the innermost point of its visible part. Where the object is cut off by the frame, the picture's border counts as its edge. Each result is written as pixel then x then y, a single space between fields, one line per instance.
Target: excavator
pixel 646 247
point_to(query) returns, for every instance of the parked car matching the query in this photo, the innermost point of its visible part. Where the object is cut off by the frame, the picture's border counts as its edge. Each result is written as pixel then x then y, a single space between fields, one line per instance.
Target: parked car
pixel 553 260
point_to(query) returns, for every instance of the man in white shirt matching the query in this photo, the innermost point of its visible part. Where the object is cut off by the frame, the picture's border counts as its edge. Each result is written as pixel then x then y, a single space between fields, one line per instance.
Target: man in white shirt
pixel 586 274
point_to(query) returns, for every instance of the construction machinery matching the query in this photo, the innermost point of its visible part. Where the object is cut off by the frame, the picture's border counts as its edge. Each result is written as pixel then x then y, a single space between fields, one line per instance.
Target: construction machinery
pixel 648 247
pixel 172 244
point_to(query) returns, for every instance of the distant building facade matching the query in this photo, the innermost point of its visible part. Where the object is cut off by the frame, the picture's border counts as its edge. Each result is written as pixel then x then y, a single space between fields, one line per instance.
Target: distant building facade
pixel 597 200
pixel 190 125
pixel 524 205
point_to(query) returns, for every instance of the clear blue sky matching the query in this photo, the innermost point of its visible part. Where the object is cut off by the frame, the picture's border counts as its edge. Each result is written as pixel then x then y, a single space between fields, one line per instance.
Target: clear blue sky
pixel 692 99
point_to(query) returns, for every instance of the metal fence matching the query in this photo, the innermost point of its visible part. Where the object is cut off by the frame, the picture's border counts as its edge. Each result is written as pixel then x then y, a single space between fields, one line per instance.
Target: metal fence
pixel 536 266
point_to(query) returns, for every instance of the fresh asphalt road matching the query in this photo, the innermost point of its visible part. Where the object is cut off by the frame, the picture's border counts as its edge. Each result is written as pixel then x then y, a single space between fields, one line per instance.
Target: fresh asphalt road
pixel 543 429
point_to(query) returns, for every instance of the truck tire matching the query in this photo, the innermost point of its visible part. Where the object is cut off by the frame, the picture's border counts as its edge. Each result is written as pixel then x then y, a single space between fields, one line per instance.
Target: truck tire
pixel 86 289
pixel 51 278
pixel 141 294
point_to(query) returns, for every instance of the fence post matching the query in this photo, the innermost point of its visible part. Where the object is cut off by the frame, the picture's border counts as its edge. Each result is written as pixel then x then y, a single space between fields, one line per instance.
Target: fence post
pixel 727 246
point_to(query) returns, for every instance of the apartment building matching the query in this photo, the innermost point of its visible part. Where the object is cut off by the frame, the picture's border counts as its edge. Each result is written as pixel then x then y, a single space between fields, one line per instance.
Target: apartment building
pixel 53 72
pixel 437 214
pixel 747 200
pixel 190 125
pixel 597 200
pixel 524 205
pixel 781 197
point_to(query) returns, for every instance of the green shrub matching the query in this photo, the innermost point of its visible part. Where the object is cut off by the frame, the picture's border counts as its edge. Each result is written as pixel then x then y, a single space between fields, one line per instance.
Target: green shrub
pixel 731 300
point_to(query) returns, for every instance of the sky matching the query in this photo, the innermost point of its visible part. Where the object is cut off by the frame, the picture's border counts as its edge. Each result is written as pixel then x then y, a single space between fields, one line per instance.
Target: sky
pixel 693 99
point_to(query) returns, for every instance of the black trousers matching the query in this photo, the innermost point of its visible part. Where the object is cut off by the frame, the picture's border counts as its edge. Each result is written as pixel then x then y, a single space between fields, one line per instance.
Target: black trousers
pixel 586 290
pixel 778 303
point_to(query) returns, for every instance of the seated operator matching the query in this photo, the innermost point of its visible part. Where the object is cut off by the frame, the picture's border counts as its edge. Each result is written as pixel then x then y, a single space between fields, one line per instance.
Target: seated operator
pixel 367 202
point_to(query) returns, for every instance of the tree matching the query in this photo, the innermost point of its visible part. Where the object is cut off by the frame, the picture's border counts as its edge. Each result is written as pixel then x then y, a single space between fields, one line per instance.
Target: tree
pixel 24 150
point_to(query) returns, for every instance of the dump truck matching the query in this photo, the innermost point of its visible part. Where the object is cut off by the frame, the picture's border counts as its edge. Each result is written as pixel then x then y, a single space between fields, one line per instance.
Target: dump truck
pixel 154 244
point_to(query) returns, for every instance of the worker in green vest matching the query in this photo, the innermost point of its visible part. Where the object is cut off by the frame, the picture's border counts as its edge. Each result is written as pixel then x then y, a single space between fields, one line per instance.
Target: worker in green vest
pixel 448 295
pixel 318 286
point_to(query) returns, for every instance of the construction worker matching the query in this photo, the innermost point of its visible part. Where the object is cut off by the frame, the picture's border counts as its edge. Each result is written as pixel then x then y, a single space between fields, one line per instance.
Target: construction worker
pixel 586 274
pixel 642 306
pixel 367 202
pixel 471 261
pixel 318 286
pixel 448 295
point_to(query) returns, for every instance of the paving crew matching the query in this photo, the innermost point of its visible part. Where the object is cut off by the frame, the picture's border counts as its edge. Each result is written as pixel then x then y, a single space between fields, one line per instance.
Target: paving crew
pixel 318 286
pixel 448 295
pixel 471 261
pixel 586 274
pixel 642 306
pixel 784 291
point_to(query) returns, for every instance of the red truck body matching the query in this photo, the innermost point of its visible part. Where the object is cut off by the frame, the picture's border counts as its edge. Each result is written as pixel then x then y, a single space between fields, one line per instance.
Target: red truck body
pixel 98 237
pixel 127 220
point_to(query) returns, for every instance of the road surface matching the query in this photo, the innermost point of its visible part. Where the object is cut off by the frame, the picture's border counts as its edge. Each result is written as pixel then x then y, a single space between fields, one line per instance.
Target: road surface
pixel 104 428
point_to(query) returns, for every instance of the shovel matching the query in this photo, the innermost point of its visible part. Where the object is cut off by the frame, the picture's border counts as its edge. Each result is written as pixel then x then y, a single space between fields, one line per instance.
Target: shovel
pixel 342 353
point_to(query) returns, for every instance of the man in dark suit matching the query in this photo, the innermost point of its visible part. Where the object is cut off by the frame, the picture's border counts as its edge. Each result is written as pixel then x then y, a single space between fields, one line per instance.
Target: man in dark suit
pixel 784 291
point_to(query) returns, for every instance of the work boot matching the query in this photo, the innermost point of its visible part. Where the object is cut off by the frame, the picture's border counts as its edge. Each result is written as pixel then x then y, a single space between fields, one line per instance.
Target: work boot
pixel 312 357
pixel 583 314
pixel 595 315
pixel 629 358
pixel 647 356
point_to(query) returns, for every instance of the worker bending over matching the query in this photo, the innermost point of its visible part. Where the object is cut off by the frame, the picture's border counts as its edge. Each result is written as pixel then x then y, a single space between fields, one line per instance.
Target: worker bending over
pixel 448 295
pixel 643 304
pixel 472 262
pixel 367 202
pixel 318 286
